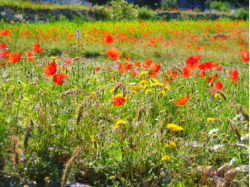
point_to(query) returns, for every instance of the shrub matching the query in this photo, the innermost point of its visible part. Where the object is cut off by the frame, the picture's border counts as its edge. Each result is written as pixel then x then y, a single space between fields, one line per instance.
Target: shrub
pixel 196 10
pixel 123 10
pixel 145 13
pixel 241 14
pixel 169 4
pixel 224 6
pixel 100 13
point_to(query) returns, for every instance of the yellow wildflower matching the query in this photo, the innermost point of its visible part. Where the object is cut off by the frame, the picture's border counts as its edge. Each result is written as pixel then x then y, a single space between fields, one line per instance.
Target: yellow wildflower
pixel 46 178
pixel 92 93
pixel 171 145
pixel 157 84
pixel 210 119
pixel 148 91
pixel 224 141
pixel 174 127
pixel 143 73
pixel 166 87
pixel 217 95
pixel 143 82
pixel 165 158
pixel 25 185
pixel 53 57
pixel 119 95
pixel 120 122
pixel 162 93
pixel 137 88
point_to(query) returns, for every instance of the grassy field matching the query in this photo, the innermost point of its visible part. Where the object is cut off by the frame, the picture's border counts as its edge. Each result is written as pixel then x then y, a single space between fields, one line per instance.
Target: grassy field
pixel 123 103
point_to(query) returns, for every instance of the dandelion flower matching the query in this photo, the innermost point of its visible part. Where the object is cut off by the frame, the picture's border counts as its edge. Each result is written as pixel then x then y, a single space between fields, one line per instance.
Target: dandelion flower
pixel 166 87
pixel 143 82
pixel 92 93
pixel 210 119
pixel 217 95
pixel 157 84
pixel 171 145
pixel 120 122
pixel 174 127
pixel 166 158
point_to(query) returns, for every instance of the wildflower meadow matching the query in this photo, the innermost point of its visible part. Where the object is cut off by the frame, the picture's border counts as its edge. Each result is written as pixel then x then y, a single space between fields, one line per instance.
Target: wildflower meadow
pixel 124 103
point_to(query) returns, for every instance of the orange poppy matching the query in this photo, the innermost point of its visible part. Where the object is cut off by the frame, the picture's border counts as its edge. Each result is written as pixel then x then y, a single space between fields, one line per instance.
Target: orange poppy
pixel 1 63
pixel 114 53
pixel 29 53
pixel 137 63
pixel 202 74
pixel 212 79
pixel 50 69
pixel 219 68
pixel 193 61
pixel 3 54
pixel 127 57
pixel 2 45
pixel 97 68
pixel 37 48
pixel 245 58
pixel 13 57
pixel 109 39
pixel 181 101
pixel 186 72
pixel 31 59
pixel 118 101
pixel 108 68
pixel 218 86
pixel 147 63
pixel 4 32
pixel 59 78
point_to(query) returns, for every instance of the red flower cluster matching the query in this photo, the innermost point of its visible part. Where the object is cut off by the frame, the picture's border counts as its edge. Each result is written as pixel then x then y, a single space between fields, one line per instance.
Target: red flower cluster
pixel 51 70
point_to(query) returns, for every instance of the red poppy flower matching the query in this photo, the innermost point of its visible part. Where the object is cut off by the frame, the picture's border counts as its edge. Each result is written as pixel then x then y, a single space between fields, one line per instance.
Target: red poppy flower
pixel 31 59
pixel 128 66
pixel 147 63
pixel 202 74
pixel 137 63
pixel 97 68
pixel 212 79
pixel 181 101
pixel 50 69
pixel 209 65
pixel 3 54
pixel 114 53
pixel 193 61
pixel 219 68
pixel 155 68
pixel 29 53
pixel 186 72
pixel 59 78
pixel 14 57
pixel 108 68
pixel 2 45
pixel 109 39
pixel 202 67
pixel 127 57
pixel 4 32
pixel 134 74
pixel 118 101
pixel 37 48
pixel 218 86
pixel 245 58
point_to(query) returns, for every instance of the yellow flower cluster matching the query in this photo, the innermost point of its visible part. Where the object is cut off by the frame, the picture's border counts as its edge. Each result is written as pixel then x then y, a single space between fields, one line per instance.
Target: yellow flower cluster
pixel 174 127
pixel 171 145
pixel 166 158
pixel 119 123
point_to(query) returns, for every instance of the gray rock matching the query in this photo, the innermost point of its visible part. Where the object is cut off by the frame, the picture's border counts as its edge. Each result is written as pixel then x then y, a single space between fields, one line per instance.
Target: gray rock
pixel 214 10
pixel 18 18
pixel 76 184
pixel 206 11
pixel 55 12
pixel 67 12
pixel 8 14
pixel 220 182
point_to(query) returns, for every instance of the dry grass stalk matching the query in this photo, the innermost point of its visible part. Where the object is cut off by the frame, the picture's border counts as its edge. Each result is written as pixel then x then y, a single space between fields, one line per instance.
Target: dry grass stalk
pixel 234 128
pixel 14 152
pixel 176 69
pixel 71 92
pixel 81 59
pixel 70 164
pixel 142 110
pixel 119 85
